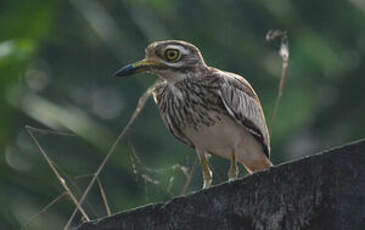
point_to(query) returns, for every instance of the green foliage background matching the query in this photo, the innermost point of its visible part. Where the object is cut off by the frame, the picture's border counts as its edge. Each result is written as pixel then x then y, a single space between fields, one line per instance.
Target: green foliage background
pixel 56 65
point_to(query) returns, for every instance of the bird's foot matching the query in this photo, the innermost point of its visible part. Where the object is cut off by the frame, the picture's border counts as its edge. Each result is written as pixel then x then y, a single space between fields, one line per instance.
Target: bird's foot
pixel 233 170
pixel 207 183
pixel 207 177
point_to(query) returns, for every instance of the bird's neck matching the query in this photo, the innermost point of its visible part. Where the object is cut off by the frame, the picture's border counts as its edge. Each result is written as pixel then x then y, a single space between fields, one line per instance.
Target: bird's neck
pixel 172 77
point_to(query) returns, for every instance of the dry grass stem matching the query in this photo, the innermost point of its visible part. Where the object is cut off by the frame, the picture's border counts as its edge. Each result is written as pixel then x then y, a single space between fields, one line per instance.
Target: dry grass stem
pixel 49 205
pixel 83 176
pixel 147 179
pixel 141 102
pixel 55 171
pixel 48 131
pixel 284 54
pixel 103 195
pixel 189 177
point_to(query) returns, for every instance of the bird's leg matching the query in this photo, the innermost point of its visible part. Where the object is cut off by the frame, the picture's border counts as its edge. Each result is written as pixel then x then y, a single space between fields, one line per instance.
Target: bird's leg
pixel 233 170
pixel 207 173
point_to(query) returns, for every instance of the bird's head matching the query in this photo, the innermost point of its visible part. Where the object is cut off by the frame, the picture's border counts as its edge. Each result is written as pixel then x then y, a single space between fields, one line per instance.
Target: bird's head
pixel 171 60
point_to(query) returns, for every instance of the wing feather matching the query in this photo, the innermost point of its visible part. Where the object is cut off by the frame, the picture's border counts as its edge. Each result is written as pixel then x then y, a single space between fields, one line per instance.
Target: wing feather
pixel 243 105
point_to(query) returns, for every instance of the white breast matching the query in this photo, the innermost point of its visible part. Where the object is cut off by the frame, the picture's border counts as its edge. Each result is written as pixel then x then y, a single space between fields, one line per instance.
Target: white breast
pixel 225 137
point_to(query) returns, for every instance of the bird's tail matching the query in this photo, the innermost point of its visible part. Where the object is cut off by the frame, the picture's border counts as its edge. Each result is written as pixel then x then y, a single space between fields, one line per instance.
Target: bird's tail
pixel 259 165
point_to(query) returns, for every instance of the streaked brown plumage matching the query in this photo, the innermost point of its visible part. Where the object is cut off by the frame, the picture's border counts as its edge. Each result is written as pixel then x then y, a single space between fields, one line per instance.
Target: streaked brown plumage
pixel 213 111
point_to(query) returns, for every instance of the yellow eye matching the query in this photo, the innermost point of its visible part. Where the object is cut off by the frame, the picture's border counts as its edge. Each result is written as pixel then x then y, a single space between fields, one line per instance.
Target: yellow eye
pixel 172 55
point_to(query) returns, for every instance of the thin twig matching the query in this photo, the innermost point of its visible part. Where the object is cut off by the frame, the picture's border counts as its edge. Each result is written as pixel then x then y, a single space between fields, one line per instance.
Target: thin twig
pixel 44 209
pixel 103 195
pixel 189 177
pixel 284 54
pixel 83 176
pixel 61 180
pixel 147 179
pixel 48 131
pixel 170 185
pixel 141 102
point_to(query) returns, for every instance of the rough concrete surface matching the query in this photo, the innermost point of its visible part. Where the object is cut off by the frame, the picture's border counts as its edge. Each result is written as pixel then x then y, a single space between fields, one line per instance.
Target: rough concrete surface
pixel 320 192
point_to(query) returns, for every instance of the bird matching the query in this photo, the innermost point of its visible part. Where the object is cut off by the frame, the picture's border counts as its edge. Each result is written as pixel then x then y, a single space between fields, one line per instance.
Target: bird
pixel 212 111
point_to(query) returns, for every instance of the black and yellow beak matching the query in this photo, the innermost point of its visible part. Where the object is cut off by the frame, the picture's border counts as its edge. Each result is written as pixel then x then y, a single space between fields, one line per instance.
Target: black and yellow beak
pixel 137 67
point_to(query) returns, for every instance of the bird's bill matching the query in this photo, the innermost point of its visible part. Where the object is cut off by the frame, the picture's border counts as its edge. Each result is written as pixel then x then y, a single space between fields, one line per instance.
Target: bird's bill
pixel 136 67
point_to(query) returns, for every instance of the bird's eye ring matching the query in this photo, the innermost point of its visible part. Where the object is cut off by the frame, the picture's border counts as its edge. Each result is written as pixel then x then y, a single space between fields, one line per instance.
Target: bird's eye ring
pixel 172 55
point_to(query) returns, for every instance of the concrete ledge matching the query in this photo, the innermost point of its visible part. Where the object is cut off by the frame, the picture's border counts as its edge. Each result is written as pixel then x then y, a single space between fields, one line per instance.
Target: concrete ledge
pixel 320 192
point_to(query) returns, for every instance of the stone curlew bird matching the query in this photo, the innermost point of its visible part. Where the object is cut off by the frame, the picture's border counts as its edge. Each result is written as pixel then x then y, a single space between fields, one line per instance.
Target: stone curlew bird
pixel 213 111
